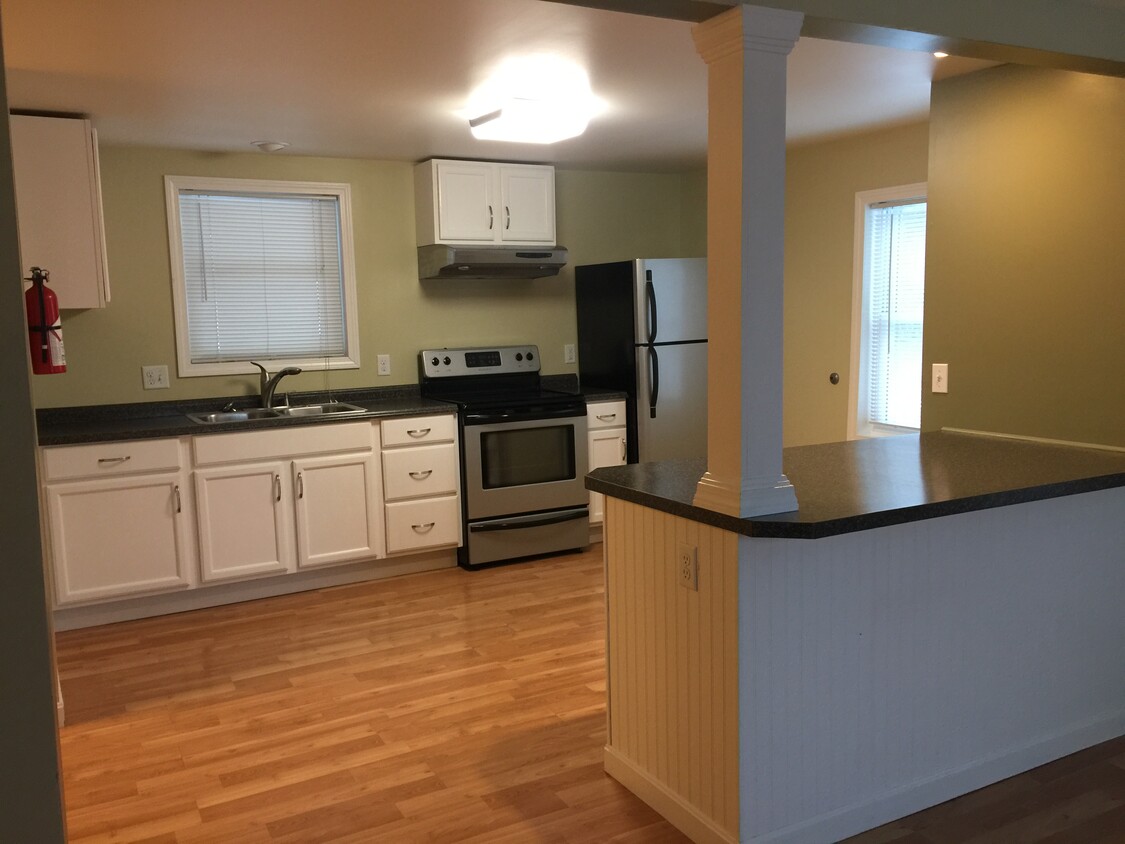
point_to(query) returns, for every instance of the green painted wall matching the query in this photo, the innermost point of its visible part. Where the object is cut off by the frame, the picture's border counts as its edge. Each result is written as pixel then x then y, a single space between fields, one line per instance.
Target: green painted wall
pixel 601 216
pixel 1025 265
pixel 822 180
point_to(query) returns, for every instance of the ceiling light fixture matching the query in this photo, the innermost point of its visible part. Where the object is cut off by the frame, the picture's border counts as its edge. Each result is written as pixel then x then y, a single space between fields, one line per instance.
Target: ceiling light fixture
pixel 940 55
pixel 269 146
pixel 532 100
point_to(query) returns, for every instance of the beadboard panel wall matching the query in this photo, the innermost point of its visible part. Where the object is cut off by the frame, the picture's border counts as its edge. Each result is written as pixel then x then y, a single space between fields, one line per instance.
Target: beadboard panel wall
pixel 673 669
pixel 889 670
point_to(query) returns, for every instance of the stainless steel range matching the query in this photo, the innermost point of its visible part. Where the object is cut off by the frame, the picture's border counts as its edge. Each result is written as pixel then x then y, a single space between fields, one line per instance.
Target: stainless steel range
pixel 523 452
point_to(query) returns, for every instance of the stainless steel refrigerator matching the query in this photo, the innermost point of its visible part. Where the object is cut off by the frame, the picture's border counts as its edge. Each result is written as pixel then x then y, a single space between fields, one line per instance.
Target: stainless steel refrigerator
pixel 642 329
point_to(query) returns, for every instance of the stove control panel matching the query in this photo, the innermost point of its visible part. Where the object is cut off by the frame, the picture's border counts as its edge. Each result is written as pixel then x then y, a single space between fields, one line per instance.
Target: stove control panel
pixel 496 360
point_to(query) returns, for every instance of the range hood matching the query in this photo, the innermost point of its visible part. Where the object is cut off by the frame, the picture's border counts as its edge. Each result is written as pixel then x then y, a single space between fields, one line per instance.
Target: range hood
pixel 443 261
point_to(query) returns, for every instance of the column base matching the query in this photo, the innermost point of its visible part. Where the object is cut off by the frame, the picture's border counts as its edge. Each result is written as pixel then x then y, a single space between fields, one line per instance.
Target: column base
pixel 755 497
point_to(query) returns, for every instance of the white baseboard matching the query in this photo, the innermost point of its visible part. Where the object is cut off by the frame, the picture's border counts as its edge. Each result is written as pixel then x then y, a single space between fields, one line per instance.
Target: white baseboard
pixel 677 811
pixel 71 618
pixel 917 796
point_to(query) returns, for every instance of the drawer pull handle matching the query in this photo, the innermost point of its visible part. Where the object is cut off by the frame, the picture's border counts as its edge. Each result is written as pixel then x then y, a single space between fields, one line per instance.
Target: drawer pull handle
pixel 421 476
pixel 176 493
pixel 606 417
pixel 422 528
pixel 107 460
pixel 419 432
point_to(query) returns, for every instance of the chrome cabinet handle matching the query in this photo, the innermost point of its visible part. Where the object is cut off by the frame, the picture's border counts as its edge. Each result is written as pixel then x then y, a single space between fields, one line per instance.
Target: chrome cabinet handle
pixel 606 417
pixel 419 432
pixel 421 476
pixel 490 218
pixel 176 496
pixel 107 460
pixel 422 528
pixel 507 218
pixel 623 452
pixel 300 484
pixel 277 487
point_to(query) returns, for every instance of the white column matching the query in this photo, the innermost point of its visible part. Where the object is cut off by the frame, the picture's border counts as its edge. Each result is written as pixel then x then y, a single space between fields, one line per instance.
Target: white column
pixel 745 50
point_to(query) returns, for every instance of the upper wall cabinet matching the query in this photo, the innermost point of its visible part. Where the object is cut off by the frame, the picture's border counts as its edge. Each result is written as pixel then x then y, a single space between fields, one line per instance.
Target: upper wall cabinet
pixel 59 206
pixel 476 202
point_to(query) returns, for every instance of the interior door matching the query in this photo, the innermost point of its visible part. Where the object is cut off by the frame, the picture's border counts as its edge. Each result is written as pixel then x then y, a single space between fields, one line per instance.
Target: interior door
pixel 672 401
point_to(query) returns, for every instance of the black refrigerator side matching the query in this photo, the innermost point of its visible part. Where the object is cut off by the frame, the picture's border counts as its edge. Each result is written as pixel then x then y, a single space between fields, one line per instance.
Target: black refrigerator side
pixel 605 313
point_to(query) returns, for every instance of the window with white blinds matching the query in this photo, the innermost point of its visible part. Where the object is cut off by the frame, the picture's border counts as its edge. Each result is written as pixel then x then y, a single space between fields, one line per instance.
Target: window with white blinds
pixel 264 273
pixel 890 382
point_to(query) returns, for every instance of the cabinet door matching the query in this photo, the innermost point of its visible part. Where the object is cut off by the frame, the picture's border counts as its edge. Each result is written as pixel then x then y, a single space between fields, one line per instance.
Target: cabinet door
pixel 606 448
pixel 528 198
pixel 338 509
pixel 116 537
pixel 466 210
pixel 245 521
pixel 58 201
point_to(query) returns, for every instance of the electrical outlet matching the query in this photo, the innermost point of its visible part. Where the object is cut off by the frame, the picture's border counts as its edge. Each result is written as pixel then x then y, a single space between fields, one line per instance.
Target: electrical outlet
pixel 384 364
pixel 568 353
pixel 940 378
pixel 155 377
pixel 687 566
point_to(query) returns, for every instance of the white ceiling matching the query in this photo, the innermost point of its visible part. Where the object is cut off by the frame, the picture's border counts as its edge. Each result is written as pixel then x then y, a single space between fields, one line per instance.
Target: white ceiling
pixel 384 78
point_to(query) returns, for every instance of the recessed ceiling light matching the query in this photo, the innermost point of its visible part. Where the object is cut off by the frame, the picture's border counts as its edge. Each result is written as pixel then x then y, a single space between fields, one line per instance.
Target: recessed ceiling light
pixel 269 146
pixel 535 99
pixel 940 55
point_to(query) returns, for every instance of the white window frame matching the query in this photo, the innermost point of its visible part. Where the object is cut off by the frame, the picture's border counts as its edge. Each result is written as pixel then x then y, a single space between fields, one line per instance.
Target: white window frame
pixel 863 200
pixel 342 191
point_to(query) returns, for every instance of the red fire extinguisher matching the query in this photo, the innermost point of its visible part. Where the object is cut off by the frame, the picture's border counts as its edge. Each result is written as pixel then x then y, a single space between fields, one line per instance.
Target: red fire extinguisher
pixel 43 325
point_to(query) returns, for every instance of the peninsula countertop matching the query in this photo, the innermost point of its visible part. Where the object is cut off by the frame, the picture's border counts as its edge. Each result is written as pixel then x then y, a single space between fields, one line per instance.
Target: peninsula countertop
pixel 864 484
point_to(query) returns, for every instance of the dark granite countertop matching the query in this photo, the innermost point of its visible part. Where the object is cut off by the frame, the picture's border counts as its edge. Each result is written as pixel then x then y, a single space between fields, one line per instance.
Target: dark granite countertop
pixel 865 484
pixel 145 420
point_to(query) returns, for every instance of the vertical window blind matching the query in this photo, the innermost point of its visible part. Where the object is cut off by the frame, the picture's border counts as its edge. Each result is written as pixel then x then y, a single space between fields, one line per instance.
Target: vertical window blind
pixel 893 318
pixel 263 276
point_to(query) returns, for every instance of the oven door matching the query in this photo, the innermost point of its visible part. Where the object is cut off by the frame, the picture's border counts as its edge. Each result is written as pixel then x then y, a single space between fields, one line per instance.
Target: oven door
pixel 515 466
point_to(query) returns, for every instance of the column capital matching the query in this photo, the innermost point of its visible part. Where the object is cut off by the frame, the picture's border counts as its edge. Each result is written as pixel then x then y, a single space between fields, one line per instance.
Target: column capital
pixel 745 27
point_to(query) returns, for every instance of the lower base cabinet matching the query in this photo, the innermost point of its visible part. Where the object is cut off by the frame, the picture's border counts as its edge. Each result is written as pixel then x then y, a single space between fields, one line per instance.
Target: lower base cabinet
pixel 97 554
pixel 606 446
pixel 337 509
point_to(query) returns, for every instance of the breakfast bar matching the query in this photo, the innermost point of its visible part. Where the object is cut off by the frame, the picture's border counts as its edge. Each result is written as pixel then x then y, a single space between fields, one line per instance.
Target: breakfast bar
pixel 941 612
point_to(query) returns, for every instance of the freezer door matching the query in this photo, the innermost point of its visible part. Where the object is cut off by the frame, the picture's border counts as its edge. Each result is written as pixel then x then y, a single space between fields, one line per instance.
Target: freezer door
pixel 671 401
pixel 670 299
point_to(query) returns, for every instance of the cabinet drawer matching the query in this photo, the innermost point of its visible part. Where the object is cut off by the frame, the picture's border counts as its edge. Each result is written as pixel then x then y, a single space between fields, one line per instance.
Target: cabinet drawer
pixel 425 470
pixel 107 459
pixel 419 429
pixel 425 523
pixel 610 414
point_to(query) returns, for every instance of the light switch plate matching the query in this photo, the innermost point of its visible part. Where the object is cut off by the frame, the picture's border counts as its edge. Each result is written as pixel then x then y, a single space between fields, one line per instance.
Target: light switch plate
pixel 155 377
pixel 940 378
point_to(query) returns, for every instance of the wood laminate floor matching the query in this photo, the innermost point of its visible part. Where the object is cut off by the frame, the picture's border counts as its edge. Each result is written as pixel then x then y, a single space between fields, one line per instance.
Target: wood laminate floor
pixel 443 707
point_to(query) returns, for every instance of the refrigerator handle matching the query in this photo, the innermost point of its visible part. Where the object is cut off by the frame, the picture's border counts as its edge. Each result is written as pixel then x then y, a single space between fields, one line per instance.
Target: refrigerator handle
pixel 653 381
pixel 650 297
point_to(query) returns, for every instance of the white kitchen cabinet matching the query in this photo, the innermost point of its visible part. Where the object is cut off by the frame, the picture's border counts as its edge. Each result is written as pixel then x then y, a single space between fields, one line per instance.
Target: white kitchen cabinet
pixel 481 203
pixel 421 483
pixel 245 521
pixel 606 445
pixel 273 501
pixel 59 206
pixel 118 517
pixel 337 501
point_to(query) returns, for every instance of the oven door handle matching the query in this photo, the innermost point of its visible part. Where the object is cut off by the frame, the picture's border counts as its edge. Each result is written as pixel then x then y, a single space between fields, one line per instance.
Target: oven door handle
pixel 486 418
pixel 530 521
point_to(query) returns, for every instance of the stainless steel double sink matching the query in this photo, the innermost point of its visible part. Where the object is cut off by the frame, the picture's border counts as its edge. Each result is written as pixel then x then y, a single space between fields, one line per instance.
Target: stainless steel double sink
pixel 251 414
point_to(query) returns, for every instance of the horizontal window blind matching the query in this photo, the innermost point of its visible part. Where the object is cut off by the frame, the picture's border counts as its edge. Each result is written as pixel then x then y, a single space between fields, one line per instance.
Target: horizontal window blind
pixel 262 276
pixel 893 318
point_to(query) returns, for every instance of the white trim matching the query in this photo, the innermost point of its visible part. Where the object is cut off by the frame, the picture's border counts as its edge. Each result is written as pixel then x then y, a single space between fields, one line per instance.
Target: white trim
pixel 341 190
pixel 1043 440
pixel 863 199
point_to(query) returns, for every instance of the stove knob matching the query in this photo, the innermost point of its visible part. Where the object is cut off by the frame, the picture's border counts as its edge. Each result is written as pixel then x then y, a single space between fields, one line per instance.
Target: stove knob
pixel 446 360
pixel 519 356
pixel 529 355
pixel 434 361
